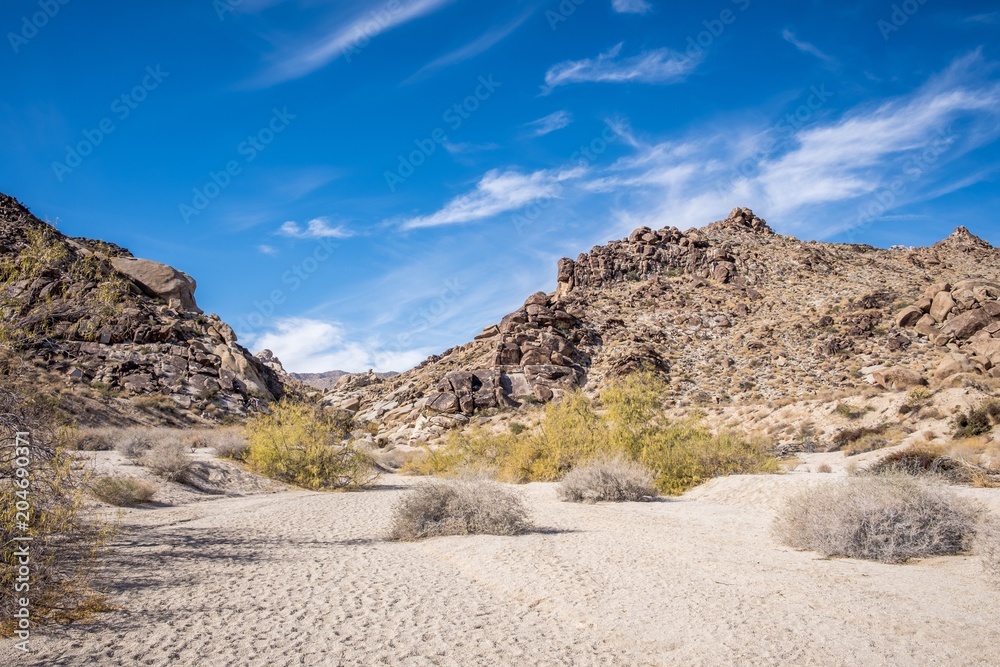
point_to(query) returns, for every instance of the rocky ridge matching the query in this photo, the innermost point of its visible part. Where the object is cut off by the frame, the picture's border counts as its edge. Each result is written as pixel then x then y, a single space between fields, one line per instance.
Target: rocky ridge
pixel 113 328
pixel 731 313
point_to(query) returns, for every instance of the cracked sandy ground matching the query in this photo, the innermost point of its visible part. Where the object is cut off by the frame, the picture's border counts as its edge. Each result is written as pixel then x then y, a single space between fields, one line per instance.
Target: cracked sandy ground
pixel 298 578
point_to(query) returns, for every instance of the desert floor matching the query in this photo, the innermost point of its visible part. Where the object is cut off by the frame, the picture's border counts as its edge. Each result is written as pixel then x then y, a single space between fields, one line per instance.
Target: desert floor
pixel 299 578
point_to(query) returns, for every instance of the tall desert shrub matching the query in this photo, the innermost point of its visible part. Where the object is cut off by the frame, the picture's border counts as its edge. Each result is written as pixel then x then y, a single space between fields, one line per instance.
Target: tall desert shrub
pixel 299 444
pixel 42 497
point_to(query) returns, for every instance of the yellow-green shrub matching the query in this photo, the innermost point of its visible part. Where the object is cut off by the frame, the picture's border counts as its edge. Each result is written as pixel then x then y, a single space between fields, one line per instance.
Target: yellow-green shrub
pixel 299 444
pixel 681 454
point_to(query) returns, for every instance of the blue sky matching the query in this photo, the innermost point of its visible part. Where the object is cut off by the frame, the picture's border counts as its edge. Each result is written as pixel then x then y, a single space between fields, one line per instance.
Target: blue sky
pixel 358 184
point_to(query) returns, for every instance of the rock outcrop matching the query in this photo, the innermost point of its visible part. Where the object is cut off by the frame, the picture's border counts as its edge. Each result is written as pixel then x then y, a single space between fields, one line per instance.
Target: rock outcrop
pixel 728 314
pixel 87 314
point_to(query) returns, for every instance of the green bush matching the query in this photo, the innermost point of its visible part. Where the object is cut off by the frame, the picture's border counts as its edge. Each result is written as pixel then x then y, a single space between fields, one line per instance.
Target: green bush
pixel 977 421
pixel 301 445
pixel 680 454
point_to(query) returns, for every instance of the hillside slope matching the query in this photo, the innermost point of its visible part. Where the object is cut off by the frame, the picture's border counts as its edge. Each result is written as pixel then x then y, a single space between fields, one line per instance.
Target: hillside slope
pixel 114 338
pixel 729 314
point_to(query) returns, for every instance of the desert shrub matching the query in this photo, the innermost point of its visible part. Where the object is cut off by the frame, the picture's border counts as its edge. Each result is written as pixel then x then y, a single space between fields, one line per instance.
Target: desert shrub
pixel 459 508
pixel 134 442
pixel 122 491
pixel 988 547
pixel 299 444
pixel 884 518
pixel 90 439
pixel 849 436
pixel 229 444
pixel 930 460
pixel 680 454
pixel 168 457
pixel 845 410
pixel 64 542
pixel 824 468
pixel 614 479
pixel 977 421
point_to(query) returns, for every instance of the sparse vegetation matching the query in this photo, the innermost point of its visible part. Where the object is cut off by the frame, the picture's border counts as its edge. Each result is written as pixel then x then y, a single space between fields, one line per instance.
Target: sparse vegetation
pixel 608 479
pixel 229 444
pixel 977 421
pixel 884 518
pixel 680 454
pixel 169 458
pixel 64 543
pixel 934 461
pixel 298 444
pixel 122 491
pixel 459 508
pixel 134 442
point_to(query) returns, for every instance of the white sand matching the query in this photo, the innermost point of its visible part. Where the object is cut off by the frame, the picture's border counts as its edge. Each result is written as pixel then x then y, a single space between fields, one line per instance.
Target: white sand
pixel 300 578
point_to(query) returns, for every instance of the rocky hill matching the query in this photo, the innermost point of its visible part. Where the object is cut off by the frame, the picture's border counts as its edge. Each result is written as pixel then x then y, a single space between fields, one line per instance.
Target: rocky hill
pixel 114 338
pixel 730 314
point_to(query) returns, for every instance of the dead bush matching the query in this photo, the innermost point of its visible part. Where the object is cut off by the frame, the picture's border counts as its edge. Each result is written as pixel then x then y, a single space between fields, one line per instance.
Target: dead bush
pixel 134 442
pixel 608 479
pixel 228 444
pixel 889 519
pixel 988 548
pixel 122 491
pixel 168 457
pixel 927 460
pixel 459 508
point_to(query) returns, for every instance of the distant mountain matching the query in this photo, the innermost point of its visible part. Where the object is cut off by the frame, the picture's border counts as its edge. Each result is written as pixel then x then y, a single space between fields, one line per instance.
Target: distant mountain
pixel 328 380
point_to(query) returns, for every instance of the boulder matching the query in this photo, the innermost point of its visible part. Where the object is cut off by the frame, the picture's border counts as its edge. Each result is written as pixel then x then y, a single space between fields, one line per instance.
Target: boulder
pixel 953 364
pixel 159 280
pixel 966 324
pixel 444 403
pixel 942 305
pixel 897 378
pixel 935 289
pixel 909 316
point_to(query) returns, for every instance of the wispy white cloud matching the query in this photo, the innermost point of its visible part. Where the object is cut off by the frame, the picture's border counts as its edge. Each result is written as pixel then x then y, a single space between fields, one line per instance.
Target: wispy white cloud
pixel 497 192
pixel 307 345
pixel 307 56
pixel 660 66
pixel 480 45
pixel 806 47
pixel 828 166
pixel 466 147
pixel 267 249
pixel 811 179
pixel 554 121
pixel 631 6
pixel 989 17
pixel 317 228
